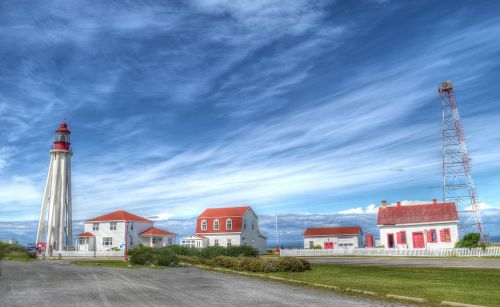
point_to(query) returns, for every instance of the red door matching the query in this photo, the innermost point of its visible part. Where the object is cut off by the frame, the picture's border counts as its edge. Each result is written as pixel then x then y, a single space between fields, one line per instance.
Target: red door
pixel 328 245
pixel 418 240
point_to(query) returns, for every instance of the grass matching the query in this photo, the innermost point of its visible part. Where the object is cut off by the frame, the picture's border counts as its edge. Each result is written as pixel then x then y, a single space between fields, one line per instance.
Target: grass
pixel 113 264
pixel 464 285
pixel 17 256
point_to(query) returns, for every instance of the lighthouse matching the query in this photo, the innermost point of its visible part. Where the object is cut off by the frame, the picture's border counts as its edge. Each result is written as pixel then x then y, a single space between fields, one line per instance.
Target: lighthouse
pixel 55 223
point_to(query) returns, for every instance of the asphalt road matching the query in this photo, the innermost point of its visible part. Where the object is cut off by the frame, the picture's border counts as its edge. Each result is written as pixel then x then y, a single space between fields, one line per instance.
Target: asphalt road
pixel 415 262
pixel 45 283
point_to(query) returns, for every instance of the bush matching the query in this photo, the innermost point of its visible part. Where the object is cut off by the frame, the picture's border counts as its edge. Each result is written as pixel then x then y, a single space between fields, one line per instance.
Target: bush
pixel 241 251
pixel 213 251
pixel 470 240
pixel 316 247
pixel 142 255
pixel 269 265
pixel 227 262
pixel 305 264
pixel 291 264
pixel 182 250
pixel 251 264
pixel 166 258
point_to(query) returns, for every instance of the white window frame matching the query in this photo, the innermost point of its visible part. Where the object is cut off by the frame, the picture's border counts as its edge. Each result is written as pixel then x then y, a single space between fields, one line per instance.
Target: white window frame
pixel 112 225
pixel 216 223
pixel 229 224
pixel 204 225
pixel 107 241
pixel 216 242
pixel 228 244
pixel 95 226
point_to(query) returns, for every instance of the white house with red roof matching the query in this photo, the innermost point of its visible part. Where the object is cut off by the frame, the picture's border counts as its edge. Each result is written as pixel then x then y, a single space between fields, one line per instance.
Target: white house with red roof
pixel 333 237
pixel 231 226
pixel 432 225
pixel 121 230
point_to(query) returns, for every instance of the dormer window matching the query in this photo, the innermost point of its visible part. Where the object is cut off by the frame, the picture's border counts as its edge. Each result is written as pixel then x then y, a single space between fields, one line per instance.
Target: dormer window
pixel 216 225
pixel 229 224
pixel 204 225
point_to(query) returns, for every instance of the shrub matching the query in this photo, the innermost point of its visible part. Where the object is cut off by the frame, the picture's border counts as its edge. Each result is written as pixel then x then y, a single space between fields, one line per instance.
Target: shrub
pixel 470 240
pixel 227 262
pixel 269 265
pixel 142 255
pixel 291 264
pixel 250 264
pixel 305 264
pixel 166 258
pixel 182 250
pixel 241 251
pixel 213 251
pixel 316 247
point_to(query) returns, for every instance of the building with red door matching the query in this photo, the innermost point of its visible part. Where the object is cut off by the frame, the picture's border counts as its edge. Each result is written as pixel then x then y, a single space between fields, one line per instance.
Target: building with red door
pixel 333 237
pixel 230 226
pixel 431 225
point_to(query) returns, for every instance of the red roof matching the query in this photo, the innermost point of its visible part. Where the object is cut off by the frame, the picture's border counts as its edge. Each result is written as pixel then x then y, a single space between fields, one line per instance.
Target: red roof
pixel 426 213
pixel 85 234
pixel 332 231
pixel 224 212
pixel 156 232
pixel 222 215
pixel 63 127
pixel 119 215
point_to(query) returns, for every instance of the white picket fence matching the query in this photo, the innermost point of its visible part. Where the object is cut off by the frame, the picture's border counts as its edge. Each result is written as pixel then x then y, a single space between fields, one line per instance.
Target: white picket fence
pixel 444 252
pixel 85 254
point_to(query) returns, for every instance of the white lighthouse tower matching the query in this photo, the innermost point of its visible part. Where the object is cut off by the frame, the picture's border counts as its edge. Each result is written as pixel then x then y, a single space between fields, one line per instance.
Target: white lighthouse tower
pixel 55 224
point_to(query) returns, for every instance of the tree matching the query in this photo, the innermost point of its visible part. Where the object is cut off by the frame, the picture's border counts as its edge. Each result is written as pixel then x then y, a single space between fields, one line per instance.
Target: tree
pixel 470 240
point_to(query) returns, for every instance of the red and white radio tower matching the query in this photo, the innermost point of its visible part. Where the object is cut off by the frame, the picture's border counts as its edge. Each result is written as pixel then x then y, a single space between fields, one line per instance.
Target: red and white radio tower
pixel 458 186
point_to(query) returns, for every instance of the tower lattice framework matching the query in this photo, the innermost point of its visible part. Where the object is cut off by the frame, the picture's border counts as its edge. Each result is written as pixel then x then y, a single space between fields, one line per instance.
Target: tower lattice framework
pixel 458 186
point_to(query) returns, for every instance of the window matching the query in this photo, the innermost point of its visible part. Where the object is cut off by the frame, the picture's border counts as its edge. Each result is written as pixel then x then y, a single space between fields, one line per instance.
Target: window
pixel 107 241
pixel 216 224
pixel 170 241
pixel 156 240
pixel 432 236
pixel 228 242
pixel 445 235
pixel 132 226
pixel 311 244
pixel 95 226
pixel 82 241
pixel 216 242
pixel 204 225
pixel 112 226
pixel 403 237
pixel 244 224
pixel 131 240
pixel 229 224
pixel 252 226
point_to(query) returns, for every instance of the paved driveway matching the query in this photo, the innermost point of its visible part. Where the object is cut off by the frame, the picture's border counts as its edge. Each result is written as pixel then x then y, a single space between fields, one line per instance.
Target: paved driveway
pixel 44 283
pixel 418 262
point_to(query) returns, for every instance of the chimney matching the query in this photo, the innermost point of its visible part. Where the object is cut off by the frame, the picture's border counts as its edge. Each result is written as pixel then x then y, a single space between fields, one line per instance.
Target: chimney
pixel 384 204
pixel 399 204
pixel 434 201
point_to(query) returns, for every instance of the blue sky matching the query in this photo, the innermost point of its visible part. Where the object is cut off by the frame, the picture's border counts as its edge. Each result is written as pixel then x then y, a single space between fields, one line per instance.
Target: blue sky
pixel 298 108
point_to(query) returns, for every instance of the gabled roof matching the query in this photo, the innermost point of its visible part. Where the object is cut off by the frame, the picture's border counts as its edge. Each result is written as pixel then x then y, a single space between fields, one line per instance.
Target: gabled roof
pixel 85 234
pixel 120 215
pixel 156 232
pixel 224 212
pixel 197 236
pixel 415 214
pixel 332 231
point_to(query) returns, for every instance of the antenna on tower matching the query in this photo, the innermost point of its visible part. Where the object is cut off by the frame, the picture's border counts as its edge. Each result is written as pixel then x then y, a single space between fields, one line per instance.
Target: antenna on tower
pixel 458 186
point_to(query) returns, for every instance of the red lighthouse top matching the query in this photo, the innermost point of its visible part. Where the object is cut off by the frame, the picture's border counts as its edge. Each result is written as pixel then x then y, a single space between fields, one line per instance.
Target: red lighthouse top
pixel 62 140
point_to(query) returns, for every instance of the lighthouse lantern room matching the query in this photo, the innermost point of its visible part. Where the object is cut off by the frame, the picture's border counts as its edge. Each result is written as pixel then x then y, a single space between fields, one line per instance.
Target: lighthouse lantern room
pixel 55 223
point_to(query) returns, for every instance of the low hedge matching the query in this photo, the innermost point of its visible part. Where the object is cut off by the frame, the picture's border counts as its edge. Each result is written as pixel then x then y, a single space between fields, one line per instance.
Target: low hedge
pixel 214 251
pixel 143 255
pixel 252 264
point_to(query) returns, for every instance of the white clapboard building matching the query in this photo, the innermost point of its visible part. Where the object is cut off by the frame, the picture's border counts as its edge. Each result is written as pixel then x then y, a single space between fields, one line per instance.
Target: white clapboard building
pixel 121 230
pixel 333 237
pixel 230 226
pixel 411 226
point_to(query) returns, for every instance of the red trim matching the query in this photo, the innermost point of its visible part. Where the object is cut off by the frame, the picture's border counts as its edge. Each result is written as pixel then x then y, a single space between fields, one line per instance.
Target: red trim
pixel 85 234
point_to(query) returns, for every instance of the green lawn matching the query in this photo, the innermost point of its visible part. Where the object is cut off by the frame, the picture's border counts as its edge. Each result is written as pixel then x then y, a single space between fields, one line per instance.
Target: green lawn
pixel 113 264
pixel 472 286
pixel 17 256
